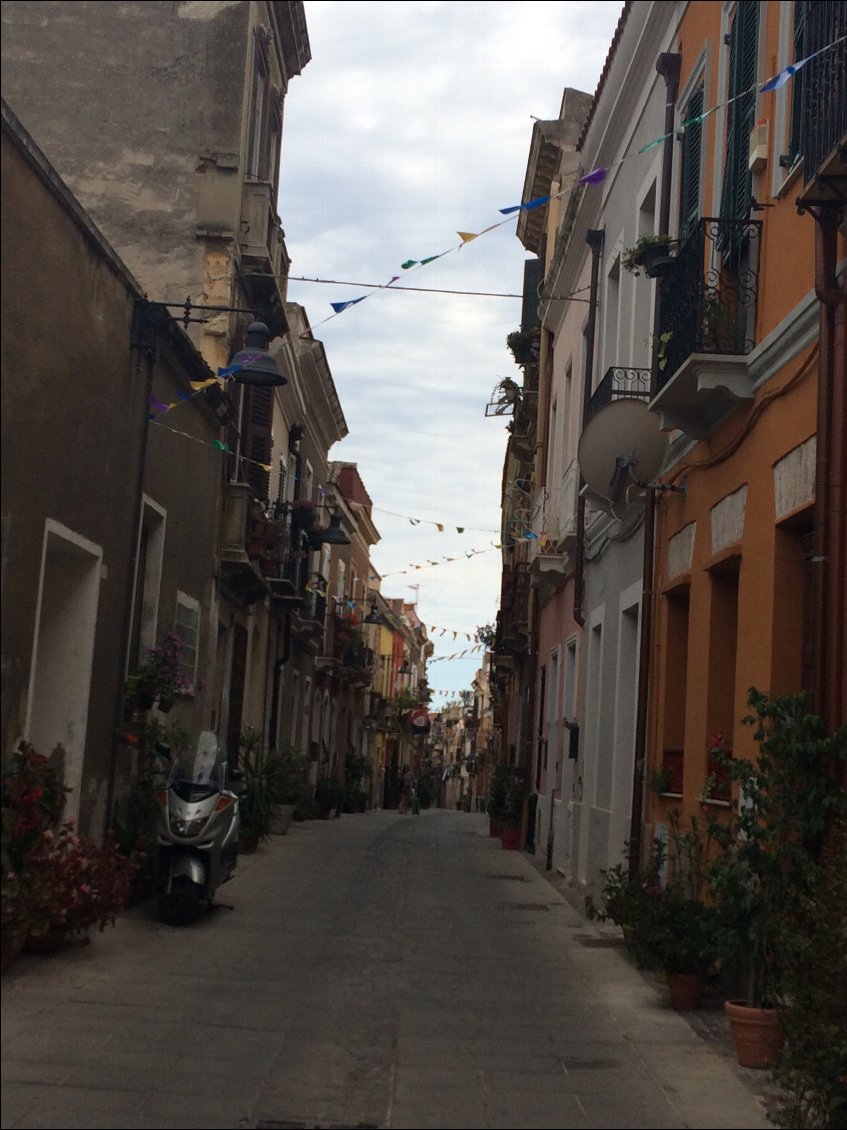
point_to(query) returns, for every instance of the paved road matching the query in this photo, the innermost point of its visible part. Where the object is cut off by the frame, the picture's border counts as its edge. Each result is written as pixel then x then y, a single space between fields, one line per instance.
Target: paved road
pixel 385 970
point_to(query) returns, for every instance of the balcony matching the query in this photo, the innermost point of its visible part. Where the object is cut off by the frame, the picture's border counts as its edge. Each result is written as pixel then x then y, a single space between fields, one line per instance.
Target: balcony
pixel 707 326
pixel 824 105
pixel 240 575
pixel 264 258
pixel 619 382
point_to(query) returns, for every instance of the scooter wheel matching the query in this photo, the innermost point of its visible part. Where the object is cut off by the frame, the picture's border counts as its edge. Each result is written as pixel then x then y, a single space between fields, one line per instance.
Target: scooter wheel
pixel 182 904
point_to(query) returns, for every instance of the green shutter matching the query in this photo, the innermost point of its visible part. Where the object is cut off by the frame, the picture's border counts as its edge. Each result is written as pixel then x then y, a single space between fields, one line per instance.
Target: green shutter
pixel 801 12
pixel 737 181
pixel 689 187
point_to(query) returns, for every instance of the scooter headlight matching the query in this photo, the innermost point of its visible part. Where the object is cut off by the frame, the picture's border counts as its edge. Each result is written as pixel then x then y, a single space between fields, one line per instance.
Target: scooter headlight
pixel 186 828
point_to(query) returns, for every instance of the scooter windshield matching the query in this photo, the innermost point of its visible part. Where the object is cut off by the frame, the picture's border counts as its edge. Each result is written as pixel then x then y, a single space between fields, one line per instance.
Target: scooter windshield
pixel 202 776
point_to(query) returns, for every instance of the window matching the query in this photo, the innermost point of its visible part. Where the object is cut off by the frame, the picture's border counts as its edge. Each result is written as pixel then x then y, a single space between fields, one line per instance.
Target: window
pixel 743 45
pixel 611 354
pixel 187 627
pixel 258 414
pixel 690 160
pixel 308 485
pixel 256 158
pixel 677 619
pixel 723 646
pixel 801 16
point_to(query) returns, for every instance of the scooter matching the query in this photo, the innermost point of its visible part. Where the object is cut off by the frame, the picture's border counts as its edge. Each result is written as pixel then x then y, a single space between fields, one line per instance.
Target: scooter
pixel 197 834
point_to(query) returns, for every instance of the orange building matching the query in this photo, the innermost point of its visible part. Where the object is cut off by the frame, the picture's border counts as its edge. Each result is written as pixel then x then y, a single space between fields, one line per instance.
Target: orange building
pixel 749 582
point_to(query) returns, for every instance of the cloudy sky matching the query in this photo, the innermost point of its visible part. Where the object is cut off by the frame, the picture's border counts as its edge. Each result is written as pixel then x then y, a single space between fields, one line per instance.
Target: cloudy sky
pixel 411 123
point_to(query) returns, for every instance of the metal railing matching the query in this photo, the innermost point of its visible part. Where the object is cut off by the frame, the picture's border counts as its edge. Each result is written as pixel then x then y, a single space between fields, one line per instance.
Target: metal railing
pixel 708 301
pixel 619 382
pixel 824 86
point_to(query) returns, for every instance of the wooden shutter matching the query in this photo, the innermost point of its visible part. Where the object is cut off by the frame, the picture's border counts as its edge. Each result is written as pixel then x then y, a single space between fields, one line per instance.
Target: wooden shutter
pixel 258 413
pixel 692 145
pixel 801 13
pixel 737 181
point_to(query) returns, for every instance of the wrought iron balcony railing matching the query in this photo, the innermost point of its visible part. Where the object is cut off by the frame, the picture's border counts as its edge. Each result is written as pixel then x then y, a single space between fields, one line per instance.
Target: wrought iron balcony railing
pixel 823 87
pixel 619 381
pixel 708 301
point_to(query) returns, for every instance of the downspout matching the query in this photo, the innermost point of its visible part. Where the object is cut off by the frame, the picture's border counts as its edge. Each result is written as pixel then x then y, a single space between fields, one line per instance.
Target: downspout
pixel 594 238
pixel 830 529
pixel 147 348
pixel 668 67
pixel 278 666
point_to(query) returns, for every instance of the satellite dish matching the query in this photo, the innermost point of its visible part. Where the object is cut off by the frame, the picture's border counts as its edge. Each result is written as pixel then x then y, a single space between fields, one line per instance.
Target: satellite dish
pixel 622 445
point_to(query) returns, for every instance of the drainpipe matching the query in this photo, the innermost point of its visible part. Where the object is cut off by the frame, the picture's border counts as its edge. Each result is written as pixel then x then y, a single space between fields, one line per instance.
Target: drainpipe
pixel 146 350
pixel 278 666
pixel 668 67
pixel 830 529
pixel 594 238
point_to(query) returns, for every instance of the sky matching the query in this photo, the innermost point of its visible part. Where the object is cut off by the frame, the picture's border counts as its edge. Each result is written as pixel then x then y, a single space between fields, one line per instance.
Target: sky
pixel 412 123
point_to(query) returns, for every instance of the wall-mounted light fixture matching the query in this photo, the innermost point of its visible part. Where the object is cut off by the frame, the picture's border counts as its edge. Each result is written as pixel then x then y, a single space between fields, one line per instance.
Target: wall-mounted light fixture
pixel 331 534
pixel 374 617
pixel 252 365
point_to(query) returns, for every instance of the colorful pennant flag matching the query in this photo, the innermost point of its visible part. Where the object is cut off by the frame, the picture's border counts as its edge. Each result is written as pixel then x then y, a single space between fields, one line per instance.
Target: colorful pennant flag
pixel 526 207
pixel 339 306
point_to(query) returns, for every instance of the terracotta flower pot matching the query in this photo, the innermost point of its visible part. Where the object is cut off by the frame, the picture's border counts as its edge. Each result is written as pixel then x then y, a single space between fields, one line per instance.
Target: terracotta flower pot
pixel 686 990
pixel 12 947
pixel 757 1032
pixel 511 838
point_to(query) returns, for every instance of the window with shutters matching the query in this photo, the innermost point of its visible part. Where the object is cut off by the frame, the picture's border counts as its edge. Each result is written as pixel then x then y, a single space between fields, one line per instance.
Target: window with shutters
pixel 741 112
pixel 258 414
pixel 259 106
pixel 690 164
pixel 801 15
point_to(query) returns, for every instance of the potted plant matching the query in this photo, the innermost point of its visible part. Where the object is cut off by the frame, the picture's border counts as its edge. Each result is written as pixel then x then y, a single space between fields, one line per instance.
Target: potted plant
pixel 513 812
pixel 631 902
pixel 770 844
pixel 288 784
pixel 256 773
pixel 32 797
pixel 685 944
pixel 329 796
pixel 651 254
pixel 523 345
pixel 161 676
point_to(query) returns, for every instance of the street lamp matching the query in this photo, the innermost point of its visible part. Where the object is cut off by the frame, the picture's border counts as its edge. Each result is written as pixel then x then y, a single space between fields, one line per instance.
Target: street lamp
pixel 253 365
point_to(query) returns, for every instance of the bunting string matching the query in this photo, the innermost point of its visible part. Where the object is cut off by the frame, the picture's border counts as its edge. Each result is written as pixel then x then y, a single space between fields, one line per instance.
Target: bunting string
pixel 598 175
pixel 593 177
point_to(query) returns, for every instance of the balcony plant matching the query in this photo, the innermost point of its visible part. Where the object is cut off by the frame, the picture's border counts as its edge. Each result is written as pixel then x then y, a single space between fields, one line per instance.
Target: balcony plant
pixel 651 254
pixel 523 345
pixel 771 844
pixel 303 514
pixel 161 675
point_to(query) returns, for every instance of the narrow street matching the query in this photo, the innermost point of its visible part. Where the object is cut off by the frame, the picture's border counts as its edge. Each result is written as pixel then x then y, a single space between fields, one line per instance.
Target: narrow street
pixel 376 970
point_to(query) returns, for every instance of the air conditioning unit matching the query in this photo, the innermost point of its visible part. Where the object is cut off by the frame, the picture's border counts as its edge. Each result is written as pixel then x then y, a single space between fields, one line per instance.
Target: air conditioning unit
pixel 758 148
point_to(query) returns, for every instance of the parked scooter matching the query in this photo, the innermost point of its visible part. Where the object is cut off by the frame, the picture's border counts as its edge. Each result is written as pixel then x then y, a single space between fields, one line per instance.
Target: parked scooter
pixel 197 833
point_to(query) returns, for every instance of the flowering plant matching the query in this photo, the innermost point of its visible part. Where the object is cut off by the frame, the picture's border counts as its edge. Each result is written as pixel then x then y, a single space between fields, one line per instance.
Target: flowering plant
pixel 69 882
pixel 51 877
pixel 32 795
pixel 718 784
pixel 162 673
